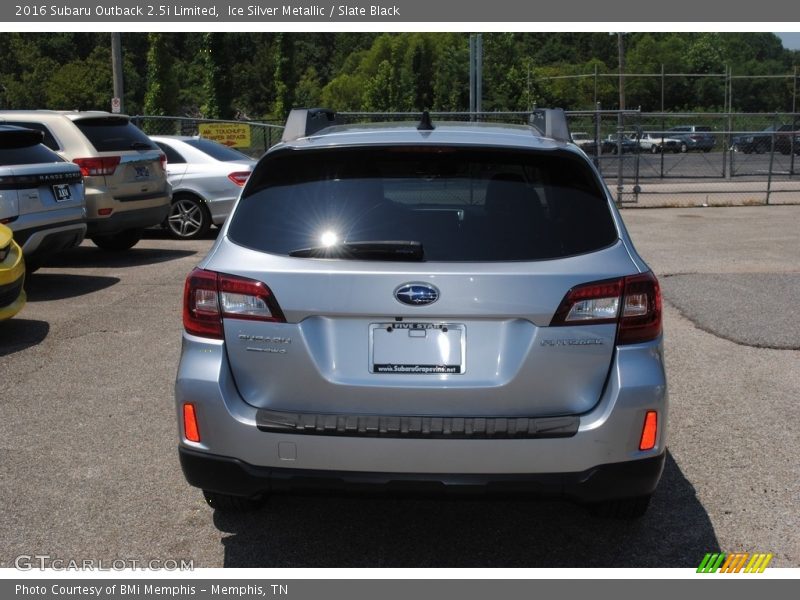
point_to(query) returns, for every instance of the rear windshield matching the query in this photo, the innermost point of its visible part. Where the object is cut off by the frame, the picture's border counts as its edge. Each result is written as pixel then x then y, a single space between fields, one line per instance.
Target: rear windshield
pixel 114 134
pixel 217 150
pixel 27 155
pixel 460 204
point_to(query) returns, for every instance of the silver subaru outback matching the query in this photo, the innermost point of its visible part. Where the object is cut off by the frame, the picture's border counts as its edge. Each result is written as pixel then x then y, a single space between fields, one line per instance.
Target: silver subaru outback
pixel 431 306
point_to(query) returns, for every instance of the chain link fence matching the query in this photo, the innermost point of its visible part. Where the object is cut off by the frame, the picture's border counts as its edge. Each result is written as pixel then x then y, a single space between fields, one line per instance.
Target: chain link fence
pixel 649 159
pixel 694 158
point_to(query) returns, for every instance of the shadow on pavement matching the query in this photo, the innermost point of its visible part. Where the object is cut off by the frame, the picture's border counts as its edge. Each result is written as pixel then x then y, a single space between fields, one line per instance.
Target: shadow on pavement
pixel 53 286
pixel 336 531
pixel 91 257
pixel 158 233
pixel 21 334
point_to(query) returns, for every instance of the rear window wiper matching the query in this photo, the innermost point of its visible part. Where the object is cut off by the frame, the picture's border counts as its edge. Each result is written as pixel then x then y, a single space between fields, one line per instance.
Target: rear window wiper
pixel 368 250
pixel 142 146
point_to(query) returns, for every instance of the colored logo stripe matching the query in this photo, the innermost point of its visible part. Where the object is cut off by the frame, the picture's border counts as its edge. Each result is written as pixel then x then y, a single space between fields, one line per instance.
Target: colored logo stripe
pixel 734 563
pixel 758 563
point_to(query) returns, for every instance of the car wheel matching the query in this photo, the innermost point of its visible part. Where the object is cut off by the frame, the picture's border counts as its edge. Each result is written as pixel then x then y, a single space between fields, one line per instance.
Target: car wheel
pixel 188 218
pixel 706 150
pixel 653 149
pixel 684 148
pixel 227 503
pixel 622 508
pixel 124 240
pixel 761 149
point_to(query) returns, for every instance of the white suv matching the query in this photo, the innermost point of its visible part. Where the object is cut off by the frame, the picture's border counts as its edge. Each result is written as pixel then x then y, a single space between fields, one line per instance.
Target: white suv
pixel 124 171
pixel 41 196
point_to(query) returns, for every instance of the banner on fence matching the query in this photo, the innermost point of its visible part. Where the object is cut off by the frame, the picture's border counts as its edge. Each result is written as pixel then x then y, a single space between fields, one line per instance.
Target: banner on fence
pixel 231 134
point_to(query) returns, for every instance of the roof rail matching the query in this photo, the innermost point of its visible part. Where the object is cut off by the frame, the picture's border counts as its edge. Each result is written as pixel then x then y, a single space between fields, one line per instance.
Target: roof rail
pixel 551 122
pixel 303 122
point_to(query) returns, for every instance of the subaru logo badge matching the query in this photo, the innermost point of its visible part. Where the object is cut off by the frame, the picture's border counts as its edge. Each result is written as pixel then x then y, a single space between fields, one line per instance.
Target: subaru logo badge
pixel 416 294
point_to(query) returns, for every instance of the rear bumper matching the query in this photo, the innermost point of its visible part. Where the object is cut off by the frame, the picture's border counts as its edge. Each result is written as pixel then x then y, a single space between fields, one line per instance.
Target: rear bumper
pixel 39 241
pixel 232 476
pixel 243 453
pixel 137 218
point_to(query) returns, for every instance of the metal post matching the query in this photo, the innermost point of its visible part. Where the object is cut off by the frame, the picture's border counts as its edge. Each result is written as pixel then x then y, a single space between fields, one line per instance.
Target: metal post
pixel 620 130
pixel 621 48
pixel 595 83
pixel 472 76
pixel 792 144
pixel 598 145
pixel 725 134
pixel 620 117
pixel 116 69
pixel 730 120
pixel 662 87
pixel 479 73
pixel 771 155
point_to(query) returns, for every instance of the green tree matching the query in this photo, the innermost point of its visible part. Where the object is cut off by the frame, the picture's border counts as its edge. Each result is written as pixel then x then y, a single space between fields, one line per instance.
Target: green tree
pixel 161 96
pixel 216 86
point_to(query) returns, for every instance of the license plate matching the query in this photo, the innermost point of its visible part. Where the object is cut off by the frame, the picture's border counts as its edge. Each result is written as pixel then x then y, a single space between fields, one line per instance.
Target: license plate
pixel 402 348
pixel 62 192
pixel 142 172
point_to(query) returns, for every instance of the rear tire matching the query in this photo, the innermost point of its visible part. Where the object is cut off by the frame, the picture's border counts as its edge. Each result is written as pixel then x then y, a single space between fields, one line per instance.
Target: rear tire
pixel 621 508
pixel 124 240
pixel 233 504
pixel 653 149
pixel 684 148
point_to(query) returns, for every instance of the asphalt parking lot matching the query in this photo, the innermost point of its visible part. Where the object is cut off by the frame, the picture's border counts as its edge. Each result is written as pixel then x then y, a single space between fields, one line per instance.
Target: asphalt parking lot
pixel 88 461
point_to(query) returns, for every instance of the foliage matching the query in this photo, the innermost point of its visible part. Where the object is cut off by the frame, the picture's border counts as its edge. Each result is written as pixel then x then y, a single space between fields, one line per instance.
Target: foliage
pixel 264 75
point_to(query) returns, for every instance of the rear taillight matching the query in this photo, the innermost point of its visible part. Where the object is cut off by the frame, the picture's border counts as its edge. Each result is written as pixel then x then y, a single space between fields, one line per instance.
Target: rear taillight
pixel 208 297
pixel 163 159
pixel 239 177
pixel 103 165
pixel 633 302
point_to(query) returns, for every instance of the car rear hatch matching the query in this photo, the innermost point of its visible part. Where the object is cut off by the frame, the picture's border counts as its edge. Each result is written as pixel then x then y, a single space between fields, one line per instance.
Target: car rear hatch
pixel 126 161
pixel 479 315
pixel 33 179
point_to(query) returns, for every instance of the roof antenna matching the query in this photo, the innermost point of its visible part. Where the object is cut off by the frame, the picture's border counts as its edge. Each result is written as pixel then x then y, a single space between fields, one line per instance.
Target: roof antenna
pixel 425 122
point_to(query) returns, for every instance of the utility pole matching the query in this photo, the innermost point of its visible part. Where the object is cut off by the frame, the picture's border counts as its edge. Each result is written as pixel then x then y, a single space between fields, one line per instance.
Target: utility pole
pixel 621 48
pixel 117 104
pixel 620 117
pixel 475 73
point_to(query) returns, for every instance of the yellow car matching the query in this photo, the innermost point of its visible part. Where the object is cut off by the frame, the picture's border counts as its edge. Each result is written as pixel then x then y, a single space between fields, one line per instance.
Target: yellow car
pixel 12 275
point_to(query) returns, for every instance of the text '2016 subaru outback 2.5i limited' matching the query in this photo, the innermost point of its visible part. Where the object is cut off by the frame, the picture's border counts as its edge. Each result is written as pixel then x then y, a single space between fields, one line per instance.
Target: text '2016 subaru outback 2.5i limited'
pixel 442 305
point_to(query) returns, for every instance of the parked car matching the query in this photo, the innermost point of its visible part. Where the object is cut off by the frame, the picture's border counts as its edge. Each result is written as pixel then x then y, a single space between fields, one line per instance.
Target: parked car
pixel 12 275
pixel 585 142
pixel 206 179
pixel 630 144
pixel 124 172
pixel 787 139
pixel 658 142
pixel 41 195
pixel 693 138
pixel 433 304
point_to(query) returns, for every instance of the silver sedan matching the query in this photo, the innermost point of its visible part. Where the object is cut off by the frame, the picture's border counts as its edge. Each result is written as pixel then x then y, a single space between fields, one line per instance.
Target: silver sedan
pixel 206 179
